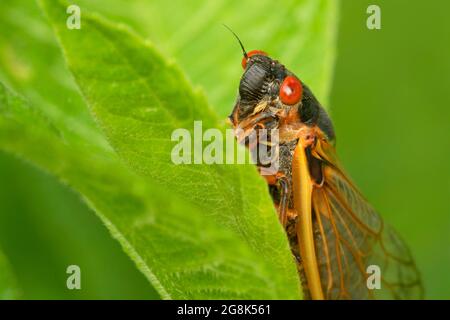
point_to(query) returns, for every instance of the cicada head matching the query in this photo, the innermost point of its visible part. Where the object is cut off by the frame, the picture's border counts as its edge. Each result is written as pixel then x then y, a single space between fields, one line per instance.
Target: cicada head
pixel 265 85
pixel 268 92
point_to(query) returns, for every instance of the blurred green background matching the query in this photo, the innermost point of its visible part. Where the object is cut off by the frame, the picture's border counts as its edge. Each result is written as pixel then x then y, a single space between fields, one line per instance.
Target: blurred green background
pixel 390 107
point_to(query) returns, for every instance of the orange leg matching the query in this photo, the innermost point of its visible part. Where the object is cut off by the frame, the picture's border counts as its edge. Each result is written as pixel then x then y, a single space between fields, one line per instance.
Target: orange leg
pixel 280 180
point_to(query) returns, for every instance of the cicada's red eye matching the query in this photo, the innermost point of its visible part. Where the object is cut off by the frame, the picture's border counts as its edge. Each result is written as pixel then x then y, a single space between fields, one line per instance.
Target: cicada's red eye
pixel 249 54
pixel 291 90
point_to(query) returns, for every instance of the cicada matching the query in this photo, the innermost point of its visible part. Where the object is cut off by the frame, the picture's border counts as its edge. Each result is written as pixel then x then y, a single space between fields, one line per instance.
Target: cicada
pixel 340 243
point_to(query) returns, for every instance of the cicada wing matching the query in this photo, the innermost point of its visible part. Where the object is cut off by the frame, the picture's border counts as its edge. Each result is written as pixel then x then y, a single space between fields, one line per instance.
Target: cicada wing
pixel 359 257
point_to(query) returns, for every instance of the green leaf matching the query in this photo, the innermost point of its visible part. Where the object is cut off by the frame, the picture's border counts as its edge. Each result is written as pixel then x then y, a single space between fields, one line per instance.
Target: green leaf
pixel 32 64
pixel 8 285
pixel 182 254
pixel 139 99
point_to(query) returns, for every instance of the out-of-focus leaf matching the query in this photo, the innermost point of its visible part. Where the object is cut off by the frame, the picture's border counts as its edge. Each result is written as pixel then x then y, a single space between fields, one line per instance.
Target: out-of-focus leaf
pixel 45 227
pixel 31 62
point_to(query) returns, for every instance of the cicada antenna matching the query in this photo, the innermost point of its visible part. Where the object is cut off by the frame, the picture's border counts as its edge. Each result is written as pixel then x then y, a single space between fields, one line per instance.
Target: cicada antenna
pixel 239 40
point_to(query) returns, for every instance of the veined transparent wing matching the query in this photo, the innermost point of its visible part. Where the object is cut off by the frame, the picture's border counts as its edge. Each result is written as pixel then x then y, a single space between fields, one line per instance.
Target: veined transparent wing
pixel 353 244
